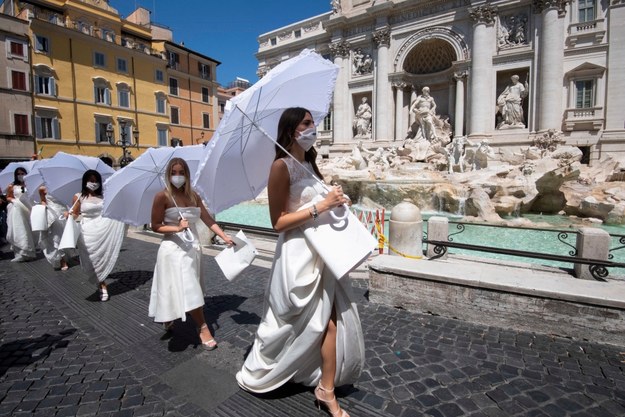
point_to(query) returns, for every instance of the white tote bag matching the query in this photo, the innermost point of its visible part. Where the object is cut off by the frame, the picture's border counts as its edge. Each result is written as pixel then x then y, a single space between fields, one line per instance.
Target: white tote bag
pixel 70 234
pixel 342 244
pixel 39 218
pixel 235 259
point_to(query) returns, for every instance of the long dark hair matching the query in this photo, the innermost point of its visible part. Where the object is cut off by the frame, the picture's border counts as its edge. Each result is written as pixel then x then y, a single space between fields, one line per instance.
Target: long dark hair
pixel 290 119
pixel 85 179
pixel 15 180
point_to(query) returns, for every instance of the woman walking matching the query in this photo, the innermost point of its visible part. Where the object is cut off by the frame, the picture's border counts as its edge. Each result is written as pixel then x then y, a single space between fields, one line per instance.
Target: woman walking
pixel 19 232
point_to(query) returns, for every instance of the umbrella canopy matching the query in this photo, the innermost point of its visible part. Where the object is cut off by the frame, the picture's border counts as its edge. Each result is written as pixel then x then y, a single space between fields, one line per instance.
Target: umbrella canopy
pixel 62 174
pixel 239 156
pixel 6 175
pixel 129 193
pixel 34 180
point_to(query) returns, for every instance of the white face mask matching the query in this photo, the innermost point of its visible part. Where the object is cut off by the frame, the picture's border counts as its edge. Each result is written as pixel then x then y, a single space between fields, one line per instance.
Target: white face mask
pixel 307 138
pixel 93 185
pixel 177 180
pixel 20 178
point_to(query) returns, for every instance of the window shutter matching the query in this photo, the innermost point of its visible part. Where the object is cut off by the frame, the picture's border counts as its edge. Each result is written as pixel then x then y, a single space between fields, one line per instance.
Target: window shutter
pixel 107 96
pixel 56 129
pixel 38 129
pixel 52 82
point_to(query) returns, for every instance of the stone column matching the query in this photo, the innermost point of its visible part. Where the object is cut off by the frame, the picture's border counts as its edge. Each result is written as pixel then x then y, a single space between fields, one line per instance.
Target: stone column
pixel 481 113
pixel 592 243
pixel 342 127
pixel 381 120
pixel 459 108
pixel 400 125
pixel 550 63
pixel 615 102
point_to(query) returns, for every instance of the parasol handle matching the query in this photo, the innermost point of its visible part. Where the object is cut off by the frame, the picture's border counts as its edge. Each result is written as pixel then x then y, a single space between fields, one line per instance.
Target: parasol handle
pixel 343 216
pixel 187 235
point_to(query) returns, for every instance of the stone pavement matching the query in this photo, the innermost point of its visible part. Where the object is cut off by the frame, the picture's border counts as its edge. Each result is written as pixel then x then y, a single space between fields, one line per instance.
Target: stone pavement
pixel 64 353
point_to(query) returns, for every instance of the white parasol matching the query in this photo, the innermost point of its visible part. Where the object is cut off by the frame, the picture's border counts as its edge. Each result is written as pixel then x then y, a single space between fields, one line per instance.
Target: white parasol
pixel 129 193
pixel 62 174
pixel 7 174
pixel 236 165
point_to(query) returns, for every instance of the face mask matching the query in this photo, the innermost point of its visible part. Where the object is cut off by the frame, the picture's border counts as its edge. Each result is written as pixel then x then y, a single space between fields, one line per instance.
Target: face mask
pixel 93 185
pixel 177 180
pixel 20 178
pixel 307 138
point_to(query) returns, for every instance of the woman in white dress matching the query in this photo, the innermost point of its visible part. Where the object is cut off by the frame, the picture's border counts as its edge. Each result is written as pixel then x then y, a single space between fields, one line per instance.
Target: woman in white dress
pixel 49 239
pixel 101 238
pixel 310 332
pixel 19 233
pixel 177 287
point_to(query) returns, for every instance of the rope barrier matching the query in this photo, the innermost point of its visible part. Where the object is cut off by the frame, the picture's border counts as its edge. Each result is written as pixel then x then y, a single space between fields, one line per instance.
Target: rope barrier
pixel 384 241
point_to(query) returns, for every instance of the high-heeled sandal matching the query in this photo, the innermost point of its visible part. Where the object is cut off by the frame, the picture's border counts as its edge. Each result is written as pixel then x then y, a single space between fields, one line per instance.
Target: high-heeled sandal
pixel 104 294
pixel 210 344
pixel 168 326
pixel 320 396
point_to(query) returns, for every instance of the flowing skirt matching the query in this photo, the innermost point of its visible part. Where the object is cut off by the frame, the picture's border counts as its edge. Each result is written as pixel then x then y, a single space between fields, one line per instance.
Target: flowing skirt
pixel 19 233
pixel 49 239
pixel 98 246
pixel 176 285
pixel 298 305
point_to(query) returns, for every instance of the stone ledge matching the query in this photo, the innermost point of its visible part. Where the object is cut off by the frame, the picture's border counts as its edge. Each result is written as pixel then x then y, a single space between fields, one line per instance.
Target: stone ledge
pixel 527 298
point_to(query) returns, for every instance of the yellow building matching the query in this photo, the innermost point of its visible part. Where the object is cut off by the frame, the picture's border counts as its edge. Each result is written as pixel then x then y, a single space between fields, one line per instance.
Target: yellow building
pixel 98 78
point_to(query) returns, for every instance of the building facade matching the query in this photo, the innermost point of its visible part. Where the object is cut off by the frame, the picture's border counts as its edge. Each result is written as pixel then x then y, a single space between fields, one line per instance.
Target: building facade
pixel 101 83
pixel 16 119
pixel 506 71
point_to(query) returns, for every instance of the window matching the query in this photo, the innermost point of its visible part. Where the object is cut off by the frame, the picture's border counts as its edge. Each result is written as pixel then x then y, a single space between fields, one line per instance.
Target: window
pixel 21 124
pixel 205 97
pixel 125 132
pixel 161 135
pixel 175 119
pixel 16 49
pixel 42 44
pixel 161 103
pixel 18 80
pixel 584 94
pixel 122 65
pixel 101 92
pixel 123 96
pixel 173 86
pixel 46 126
pixel 173 59
pixel 100 130
pixel 99 60
pixel 206 121
pixel 585 10
pixel 45 84
pixel 205 70
pixel 158 76
pixel 273 41
pixel 298 33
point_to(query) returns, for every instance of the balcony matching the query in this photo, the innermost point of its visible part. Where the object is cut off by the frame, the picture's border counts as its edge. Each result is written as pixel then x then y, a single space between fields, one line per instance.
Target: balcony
pixel 591 32
pixel 589 118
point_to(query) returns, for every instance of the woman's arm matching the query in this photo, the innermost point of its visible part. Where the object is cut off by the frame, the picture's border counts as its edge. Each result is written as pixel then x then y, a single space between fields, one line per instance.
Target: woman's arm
pixel 10 194
pixel 278 192
pixel 42 195
pixel 211 223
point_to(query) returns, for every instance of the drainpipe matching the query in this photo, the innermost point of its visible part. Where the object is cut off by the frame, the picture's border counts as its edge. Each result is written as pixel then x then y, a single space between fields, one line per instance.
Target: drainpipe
pixel 33 125
pixel 76 124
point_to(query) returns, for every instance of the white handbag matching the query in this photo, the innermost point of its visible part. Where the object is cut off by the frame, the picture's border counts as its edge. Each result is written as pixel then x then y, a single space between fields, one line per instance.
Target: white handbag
pixel 233 260
pixel 39 218
pixel 341 240
pixel 70 234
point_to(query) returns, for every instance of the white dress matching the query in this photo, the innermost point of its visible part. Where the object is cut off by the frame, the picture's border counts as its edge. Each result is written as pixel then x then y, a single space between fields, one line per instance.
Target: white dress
pixel 298 305
pixel 49 239
pixel 100 239
pixel 176 284
pixel 19 233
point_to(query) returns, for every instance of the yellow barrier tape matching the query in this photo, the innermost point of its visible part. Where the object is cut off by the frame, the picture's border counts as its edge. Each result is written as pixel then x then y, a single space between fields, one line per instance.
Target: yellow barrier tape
pixel 383 239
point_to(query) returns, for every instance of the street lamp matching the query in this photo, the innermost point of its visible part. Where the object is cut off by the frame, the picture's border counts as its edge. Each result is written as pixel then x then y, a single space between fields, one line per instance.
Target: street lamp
pixel 110 132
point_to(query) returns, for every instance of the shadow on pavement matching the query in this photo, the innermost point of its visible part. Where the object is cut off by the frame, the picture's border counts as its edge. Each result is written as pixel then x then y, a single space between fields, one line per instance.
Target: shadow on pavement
pixel 24 352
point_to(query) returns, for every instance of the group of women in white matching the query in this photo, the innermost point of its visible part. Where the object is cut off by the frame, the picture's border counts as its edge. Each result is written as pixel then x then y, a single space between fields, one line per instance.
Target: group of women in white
pixel 310 332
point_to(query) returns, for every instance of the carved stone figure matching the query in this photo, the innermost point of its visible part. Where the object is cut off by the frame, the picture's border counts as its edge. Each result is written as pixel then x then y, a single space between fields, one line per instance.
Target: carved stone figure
pixel 456 153
pixel 336 6
pixel 362 63
pixel 510 104
pixel 478 156
pixel 362 121
pixel 424 108
pixel 512 31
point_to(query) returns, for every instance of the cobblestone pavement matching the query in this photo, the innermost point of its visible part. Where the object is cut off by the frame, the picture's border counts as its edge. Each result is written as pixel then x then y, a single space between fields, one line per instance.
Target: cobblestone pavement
pixel 64 353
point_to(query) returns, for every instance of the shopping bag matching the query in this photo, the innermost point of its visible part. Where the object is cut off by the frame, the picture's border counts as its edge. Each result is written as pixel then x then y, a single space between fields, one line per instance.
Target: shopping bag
pixel 342 244
pixel 235 259
pixel 70 234
pixel 39 218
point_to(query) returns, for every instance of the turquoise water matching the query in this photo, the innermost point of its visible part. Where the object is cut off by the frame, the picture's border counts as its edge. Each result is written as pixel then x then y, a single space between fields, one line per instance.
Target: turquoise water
pixel 254 214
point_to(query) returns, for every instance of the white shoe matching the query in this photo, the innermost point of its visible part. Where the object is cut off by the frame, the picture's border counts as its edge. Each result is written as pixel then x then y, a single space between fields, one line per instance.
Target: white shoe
pixel 18 258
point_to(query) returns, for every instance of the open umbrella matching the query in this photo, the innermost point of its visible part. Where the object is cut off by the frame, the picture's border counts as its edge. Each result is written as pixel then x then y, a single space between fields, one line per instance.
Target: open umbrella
pixel 62 174
pixel 6 175
pixel 34 180
pixel 236 165
pixel 129 193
